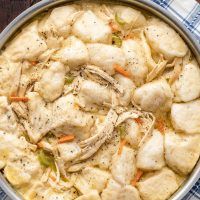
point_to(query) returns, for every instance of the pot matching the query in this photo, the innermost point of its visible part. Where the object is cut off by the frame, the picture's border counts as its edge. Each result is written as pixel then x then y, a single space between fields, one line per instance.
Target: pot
pixel 147 5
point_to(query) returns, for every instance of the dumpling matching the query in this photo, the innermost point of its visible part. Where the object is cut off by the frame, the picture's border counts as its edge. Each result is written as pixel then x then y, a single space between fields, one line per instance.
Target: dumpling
pixel 89 28
pixel 150 155
pixel 135 59
pixel 158 186
pixel 115 191
pixel 59 21
pixel 123 166
pixel 128 87
pixel 131 18
pixel 96 178
pixel 33 44
pixel 10 73
pixel 90 196
pixel 187 87
pixel 8 120
pixel 73 53
pixel 181 151
pixel 186 117
pixel 51 85
pixel 19 147
pixel 93 93
pixel 165 40
pixel 134 134
pixel 69 151
pixel 153 96
pixel 106 56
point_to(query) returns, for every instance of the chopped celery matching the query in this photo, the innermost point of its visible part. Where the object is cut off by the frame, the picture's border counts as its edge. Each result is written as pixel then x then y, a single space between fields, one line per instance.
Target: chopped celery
pixel 46 159
pixel 122 130
pixel 116 40
pixel 119 20
pixel 69 79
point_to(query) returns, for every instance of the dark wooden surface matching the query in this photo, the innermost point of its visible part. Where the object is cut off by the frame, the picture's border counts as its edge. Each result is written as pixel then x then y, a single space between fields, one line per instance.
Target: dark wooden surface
pixel 9 9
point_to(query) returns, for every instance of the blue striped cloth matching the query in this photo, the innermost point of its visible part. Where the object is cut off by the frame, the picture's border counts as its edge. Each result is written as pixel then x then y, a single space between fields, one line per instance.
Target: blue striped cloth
pixel 188 12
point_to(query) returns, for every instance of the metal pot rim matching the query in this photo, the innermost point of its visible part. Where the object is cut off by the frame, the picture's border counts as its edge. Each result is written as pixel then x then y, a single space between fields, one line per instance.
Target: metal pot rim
pixel 143 4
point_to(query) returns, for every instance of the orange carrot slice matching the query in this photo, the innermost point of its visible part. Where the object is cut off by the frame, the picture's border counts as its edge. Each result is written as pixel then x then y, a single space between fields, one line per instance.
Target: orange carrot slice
pixel 137 177
pixel 17 99
pixel 120 70
pixel 66 138
pixel 122 144
pixel 138 121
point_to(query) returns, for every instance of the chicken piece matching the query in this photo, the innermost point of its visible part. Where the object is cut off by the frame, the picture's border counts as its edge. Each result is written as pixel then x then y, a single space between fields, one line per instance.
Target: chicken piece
pixel 123 166
pixel 10 76
pixel 21 170
pixel 19 147
pixel 89 28
pixel 8 120
pixel 96 178
pixel 165 40
pixel 115 191
pixel 135 59
pixel 187 87
pixel 51 85
pixel 153 96
pixel 69 151
pixel 186 117
pixel 73 53
pixel 131 18
pixel 95 70
pixel 103 157
pixel 159 185
pixel 59 21
pixel 93 93
pixel 33 44
pixel 181 151
pixel 29 75
pixel 105 57
pixel 43 191
pixel 57 115
pixel 128 88
pixel 39 117
pixel 150 155
pixel 91 196
pixel 103 133
pixel 134 134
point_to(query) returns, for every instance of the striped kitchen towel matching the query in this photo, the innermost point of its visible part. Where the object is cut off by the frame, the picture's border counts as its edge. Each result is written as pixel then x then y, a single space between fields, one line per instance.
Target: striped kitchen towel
pixel 188 12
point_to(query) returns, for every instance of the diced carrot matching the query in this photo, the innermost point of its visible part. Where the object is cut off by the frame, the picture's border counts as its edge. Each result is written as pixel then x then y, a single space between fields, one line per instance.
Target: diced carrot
pixel 33 63
pixel 122 144
pixel 40 144
pixel 160 126
pixel 128 37
pixel 53 178
pixel 113 27
pixel 23 99
pixel 137 177
pixel 138 121
pixel 66 138
pixel 120 70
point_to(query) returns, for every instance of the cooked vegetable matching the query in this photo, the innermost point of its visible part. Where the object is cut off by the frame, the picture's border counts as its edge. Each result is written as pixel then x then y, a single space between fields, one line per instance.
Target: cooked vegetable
pixel 14 98
pixel 138 121
pixel 120 70
pixel 119 20
pixel 160 125
pixel 122 144
pixel 137 177
pixel 33 63
pixel 46 159
pixel 69 79
pixel 116 40
pixel 122 131
pixel 66 138
pixel 114 27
